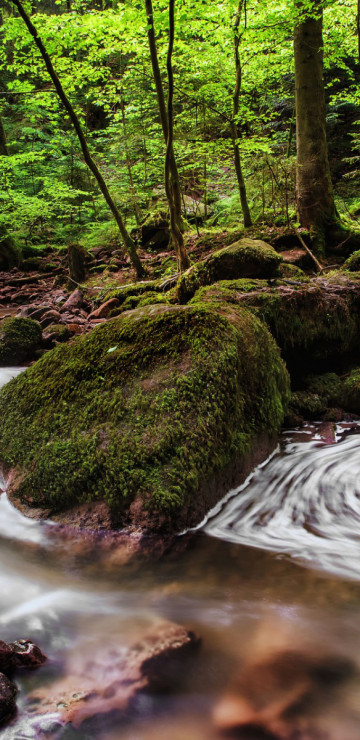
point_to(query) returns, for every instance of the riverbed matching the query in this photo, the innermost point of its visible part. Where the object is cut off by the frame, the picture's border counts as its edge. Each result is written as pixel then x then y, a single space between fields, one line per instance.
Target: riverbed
pixel 275 570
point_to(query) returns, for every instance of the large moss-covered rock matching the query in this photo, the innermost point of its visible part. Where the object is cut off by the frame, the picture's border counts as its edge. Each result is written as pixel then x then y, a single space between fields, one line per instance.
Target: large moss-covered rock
pixel 146 412
pixel 246 258
pixel 312 322
pixel 19 340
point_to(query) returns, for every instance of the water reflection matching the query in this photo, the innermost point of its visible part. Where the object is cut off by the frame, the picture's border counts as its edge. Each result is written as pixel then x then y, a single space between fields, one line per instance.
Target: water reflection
pixel 252 606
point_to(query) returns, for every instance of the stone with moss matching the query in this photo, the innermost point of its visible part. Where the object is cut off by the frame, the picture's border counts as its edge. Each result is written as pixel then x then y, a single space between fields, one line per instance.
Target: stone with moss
pixel 307 405
pixel 352 264
pixel 292 272
pixel 131 291
pixel 58 332
pixel 10 252
pixel 156 412
pixel 312 322
pixel 327 386
pixel 19 340
pixel 351 391
pixel 247 258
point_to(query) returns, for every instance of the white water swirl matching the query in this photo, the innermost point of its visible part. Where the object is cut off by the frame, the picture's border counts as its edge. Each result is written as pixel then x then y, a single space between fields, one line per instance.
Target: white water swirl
pixel 305 502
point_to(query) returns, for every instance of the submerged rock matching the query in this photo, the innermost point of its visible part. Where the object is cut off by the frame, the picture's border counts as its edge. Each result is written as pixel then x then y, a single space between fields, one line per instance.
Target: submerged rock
pixel 19 340
pixel 111 678
pixel 18 654
pixel 246 258
pixel 157 412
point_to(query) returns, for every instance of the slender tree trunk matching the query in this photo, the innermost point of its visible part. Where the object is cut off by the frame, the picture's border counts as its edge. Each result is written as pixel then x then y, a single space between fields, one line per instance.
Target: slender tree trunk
pixel 128 164
pixel 314 192
pixel 3 143
pixel 128 242
pixel 175 182
pixel 177 237
pixel 234 129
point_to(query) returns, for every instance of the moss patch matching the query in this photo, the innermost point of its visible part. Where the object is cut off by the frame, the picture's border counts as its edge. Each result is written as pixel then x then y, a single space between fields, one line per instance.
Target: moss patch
pixel 149 405
pixel 353 262
pixel 312 322
pixel 124 292
pixel 19 339
pixel 246 258
pixel 351 391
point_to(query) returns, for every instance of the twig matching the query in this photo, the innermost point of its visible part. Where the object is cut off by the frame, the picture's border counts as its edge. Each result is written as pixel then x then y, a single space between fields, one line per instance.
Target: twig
pixel 317 263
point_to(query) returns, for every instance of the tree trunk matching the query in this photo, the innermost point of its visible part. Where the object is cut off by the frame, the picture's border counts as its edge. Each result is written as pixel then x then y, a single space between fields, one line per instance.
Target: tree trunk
pixel 175 182
pixel 234 128
pixel 177 237
pixel 127 240
pixel 314 193
pixel 3 142
pixel 128 164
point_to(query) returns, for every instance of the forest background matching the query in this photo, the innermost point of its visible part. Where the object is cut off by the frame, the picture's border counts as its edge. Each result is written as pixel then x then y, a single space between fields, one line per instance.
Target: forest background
pixel 101 54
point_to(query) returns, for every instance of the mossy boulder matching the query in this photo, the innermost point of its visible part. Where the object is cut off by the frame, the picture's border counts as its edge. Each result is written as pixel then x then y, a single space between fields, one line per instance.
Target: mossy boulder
pixel 246 258
pixel 351 391
pixel 134 290
pixel 10 252
pixel 352 264
pixel 313 322
pixel 19 340
pixel 292 272
pixel 146 412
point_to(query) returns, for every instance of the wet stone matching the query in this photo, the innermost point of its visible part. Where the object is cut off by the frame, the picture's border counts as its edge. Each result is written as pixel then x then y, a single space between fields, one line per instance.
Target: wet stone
pixel 8 692
pixel 26 654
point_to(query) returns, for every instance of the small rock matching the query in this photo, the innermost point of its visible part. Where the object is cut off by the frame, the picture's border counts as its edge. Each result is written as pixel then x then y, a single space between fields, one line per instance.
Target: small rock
pixel 51 317
pixel 26 654
pixel 104 310
pixel 75 300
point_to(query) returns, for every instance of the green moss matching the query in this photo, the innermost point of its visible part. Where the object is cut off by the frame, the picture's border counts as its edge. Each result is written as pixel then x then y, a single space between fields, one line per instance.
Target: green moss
pixel 293 272
pixel 351 391
pixel 353 262
pixel 310 321
pixel 59 331
pixel 10 252
pixel 307 405
pixel 19 339
pixel 327 386
pixel 153 403
pixel 246 258
pixel 124 292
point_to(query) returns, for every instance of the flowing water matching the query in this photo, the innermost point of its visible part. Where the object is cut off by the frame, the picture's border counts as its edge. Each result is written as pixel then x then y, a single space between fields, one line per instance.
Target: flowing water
pixel 239 583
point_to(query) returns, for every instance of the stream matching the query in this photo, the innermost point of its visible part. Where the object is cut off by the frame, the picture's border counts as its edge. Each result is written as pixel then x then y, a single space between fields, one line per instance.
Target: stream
pixel 274 570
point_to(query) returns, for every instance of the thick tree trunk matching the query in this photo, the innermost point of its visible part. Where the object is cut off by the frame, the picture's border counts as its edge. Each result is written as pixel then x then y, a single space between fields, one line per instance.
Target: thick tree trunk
pixel 234 129
pixel 127 240
pixel 314 193
pixel 175 181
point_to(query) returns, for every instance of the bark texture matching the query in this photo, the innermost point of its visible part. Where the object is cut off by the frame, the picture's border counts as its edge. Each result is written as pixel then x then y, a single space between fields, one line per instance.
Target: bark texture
pixel 234 128
pixel 175 182
pixel 176 235
pixel 314 192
